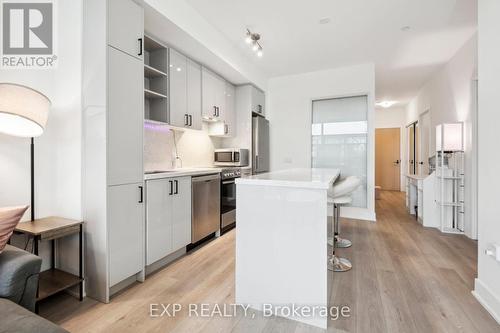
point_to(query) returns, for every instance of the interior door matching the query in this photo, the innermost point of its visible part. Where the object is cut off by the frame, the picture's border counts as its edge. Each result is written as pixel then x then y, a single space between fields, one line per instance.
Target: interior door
pixel 387 159
pixel 424 135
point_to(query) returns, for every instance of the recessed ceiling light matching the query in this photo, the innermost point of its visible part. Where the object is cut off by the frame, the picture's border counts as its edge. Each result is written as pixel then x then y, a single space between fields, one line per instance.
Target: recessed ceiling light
pixel 405 28
pixel 386 104
pixel 325 20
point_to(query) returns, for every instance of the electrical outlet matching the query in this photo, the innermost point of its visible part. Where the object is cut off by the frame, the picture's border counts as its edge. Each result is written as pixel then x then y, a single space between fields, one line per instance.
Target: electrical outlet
pixel 493 250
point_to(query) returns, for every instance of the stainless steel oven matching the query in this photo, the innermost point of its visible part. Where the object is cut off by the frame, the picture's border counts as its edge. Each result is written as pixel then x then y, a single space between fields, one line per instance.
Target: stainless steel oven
pixel 235 157
pixel 228 197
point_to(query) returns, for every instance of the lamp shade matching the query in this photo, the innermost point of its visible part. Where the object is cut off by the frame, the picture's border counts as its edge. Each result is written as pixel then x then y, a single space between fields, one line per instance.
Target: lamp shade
pixel 23 111
pixel 449 137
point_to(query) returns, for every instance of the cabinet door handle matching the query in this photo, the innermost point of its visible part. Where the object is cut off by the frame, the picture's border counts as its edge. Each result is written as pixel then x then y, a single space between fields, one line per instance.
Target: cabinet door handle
pixel 259 108
pixel 215 111
pixel 171 187
pixel 218 112
pixel 190 120
pixel 186 120
pixel 141 194
pixel 176 187
pixel 256 162
pixel 140 46
pixel 226 129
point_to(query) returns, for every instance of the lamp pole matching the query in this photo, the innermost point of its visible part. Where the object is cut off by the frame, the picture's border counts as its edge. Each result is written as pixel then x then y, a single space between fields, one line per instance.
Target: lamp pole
pixel 32 161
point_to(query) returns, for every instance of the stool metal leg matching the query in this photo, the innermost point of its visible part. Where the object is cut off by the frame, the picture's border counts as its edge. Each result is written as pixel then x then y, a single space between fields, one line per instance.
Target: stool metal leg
pixel 339 241
pixel 335 263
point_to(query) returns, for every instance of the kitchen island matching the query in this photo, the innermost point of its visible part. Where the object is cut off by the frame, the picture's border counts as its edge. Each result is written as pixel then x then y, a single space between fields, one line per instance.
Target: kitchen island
pixel 281 243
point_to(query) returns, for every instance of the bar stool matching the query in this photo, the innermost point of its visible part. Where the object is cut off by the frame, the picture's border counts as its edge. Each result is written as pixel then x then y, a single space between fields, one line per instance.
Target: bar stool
pixel 342 189
pixel 340 195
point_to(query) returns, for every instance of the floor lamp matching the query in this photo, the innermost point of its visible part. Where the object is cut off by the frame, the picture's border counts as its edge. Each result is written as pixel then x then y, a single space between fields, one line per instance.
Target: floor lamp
pixel 23 113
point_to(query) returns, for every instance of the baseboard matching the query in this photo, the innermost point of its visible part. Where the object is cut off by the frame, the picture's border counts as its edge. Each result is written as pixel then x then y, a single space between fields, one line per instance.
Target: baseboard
pixel 487 299
pixel 358 214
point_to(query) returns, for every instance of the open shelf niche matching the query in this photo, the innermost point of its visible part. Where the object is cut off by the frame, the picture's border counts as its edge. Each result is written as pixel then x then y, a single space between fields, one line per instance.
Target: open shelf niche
pixel 155 80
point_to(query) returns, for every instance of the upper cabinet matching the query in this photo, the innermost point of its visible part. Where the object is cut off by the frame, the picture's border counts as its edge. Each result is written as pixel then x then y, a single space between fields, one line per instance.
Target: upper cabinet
pixel 185 91
pixel 194 94
pixel 126 27
pixel 178 89
pixel 155 80
pixel 213 95
pixel 258 101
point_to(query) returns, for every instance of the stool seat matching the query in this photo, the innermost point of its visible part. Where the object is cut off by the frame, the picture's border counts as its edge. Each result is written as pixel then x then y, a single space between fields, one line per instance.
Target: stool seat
pixel 344 187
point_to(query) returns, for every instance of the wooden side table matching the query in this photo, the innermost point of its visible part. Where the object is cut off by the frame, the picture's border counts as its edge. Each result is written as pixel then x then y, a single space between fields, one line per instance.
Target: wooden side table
pixel 51 228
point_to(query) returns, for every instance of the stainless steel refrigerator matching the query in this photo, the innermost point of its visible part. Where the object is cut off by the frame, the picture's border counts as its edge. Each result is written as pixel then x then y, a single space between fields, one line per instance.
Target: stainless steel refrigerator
pixel 260 144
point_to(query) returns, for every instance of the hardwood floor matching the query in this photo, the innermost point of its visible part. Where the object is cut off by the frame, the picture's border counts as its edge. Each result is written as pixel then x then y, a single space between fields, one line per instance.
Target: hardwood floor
pixel 406 278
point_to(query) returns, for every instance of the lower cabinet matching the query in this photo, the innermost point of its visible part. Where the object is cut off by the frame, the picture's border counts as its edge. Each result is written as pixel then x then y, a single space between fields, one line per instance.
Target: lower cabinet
pixel 168 216
pixel 126 223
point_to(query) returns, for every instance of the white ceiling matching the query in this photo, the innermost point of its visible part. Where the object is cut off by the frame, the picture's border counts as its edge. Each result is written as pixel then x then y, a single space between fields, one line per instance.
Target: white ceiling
pixel 359 31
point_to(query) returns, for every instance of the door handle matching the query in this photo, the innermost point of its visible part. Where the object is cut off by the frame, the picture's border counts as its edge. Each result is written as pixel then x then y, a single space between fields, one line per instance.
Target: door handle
pixel 190 120
pixel 226 129
pixel 259 108
pixel 176 187
pixel 141 194
pixel 421 163
pixel 171 187
pixel 186 120
pixel 256 162
pixel 140 46
pixel 215 111
pixel 396 162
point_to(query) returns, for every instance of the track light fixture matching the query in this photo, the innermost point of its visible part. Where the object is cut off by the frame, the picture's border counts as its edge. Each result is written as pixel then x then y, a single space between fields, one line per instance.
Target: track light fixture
pixel 253 40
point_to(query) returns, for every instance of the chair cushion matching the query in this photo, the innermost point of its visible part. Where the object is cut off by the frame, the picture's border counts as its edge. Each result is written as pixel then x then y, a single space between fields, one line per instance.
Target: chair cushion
pixel 9 218
pixel 16 319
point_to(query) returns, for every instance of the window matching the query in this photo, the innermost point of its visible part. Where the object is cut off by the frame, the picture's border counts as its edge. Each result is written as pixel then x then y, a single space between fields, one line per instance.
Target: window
pixel 339 139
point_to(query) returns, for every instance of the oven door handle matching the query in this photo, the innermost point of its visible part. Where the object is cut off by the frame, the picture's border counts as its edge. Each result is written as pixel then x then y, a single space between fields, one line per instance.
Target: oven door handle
pixel 227 182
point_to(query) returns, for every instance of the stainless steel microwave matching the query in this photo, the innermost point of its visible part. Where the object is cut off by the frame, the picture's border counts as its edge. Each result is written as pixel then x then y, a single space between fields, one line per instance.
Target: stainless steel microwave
pixel 231 157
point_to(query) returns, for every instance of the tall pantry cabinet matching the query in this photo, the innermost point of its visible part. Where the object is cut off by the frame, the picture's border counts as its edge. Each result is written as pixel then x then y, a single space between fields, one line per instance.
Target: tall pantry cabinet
pixel 113 120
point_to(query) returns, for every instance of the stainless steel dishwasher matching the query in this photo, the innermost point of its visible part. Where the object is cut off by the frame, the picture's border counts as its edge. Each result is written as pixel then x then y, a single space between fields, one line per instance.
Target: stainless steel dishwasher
pixel 206 206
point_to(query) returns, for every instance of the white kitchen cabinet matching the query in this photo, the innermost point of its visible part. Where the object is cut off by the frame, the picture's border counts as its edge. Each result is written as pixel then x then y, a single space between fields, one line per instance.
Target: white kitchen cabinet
pixel 194 94
pixel 168 216
pixel 227 126
pixel 213 95
pixel 178 89
pixel 126 27
pixel 126 211
pixel 258 101
pixel 125 118
pixel 181 213
pixel 158 219
pixel 185 91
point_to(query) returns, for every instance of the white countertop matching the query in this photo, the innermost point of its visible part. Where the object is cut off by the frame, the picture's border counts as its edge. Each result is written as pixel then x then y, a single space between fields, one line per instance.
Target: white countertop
pixel 304 178
pixel 182 172
pixel 417 177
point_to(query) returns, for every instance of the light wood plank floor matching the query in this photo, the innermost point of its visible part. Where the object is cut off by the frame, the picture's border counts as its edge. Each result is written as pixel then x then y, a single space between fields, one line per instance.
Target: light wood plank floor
pixel 406 278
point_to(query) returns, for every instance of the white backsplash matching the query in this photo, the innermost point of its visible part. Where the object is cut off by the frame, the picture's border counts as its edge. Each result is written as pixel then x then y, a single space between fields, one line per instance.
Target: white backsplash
pixel 195 148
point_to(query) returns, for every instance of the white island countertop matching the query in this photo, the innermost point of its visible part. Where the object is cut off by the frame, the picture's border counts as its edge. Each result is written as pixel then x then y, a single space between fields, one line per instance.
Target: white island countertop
pixel 312 178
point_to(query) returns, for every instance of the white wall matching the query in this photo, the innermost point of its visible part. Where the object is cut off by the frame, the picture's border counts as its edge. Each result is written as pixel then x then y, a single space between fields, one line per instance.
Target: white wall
pixel 395 117
pixel 487 287
pixel 449 97
pixel 58 150
pixel 289 104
